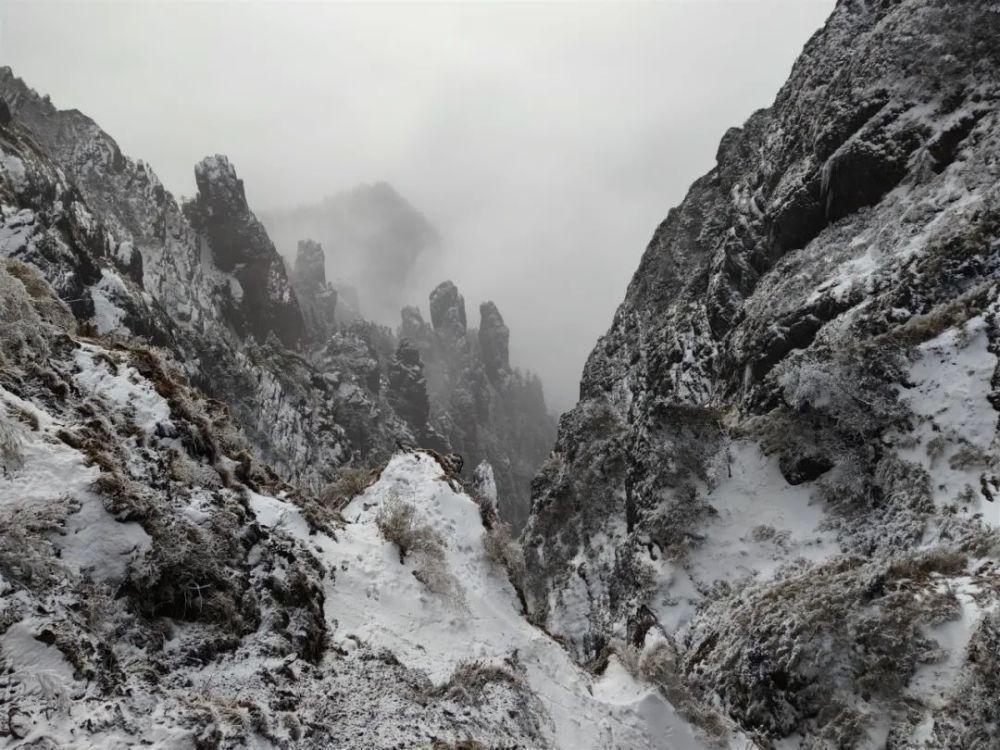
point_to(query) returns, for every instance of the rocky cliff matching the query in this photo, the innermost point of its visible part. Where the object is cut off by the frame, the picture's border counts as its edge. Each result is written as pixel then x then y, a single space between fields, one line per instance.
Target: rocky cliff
pixel 261 302
pixel 181 440
pixel 210 291
pixel 312 390
pixel 784 461
pixel 316 296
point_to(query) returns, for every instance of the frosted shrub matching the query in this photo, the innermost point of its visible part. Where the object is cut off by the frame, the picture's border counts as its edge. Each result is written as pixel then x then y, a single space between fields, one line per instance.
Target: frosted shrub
pixel 20 324
pixel 501 549
pixel 26 556
pixel 792 655
pixel 188 575
pixel 10 442
pixel 658 664
pixel 471 678
pixel 854 389
pixel 350 483
pixel 44 299
pixel 397 522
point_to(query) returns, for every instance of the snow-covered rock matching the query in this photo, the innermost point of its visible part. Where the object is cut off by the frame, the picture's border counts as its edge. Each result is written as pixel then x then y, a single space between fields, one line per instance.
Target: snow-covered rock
pixel 785 457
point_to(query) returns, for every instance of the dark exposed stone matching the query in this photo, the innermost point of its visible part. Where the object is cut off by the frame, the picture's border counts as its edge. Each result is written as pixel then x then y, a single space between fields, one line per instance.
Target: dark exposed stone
pixel 799 468
pixel 448 312
pixel 494 339
pixel 310 265
pixel 408 387
pixel 944 147
pixel 266 303
pixel 317 299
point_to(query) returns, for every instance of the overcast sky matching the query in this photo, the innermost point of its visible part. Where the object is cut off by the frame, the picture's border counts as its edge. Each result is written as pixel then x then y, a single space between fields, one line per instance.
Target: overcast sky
pixel 546 141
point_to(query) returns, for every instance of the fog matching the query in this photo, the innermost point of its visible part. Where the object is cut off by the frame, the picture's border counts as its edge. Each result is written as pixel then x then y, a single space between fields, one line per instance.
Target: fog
pixel 545 142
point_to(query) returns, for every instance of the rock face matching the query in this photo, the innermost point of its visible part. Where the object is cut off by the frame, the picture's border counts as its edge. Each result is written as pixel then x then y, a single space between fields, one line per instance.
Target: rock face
pixel 264 302
pixel 494 338
pixel 448 312
pixel 408 396
pixel 768 464
pixel 312 393
pixel 317 298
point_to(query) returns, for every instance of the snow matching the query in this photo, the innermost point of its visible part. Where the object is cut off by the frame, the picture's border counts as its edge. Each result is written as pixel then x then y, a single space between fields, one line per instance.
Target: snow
pixel 91 540
pixel 95 544
pixel 950 398
pixel 40 668
pixel 762 523
pixel 374 598
pixel 13 169
pixel 122 390
pixel 15 230
pixel 933 683
pixel 108 317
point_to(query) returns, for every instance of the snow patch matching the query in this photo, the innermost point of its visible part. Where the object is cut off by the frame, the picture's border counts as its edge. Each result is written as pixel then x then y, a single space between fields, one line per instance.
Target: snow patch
pixel 13 169
pixel 956 430
pixel 761 524
pixel 123 389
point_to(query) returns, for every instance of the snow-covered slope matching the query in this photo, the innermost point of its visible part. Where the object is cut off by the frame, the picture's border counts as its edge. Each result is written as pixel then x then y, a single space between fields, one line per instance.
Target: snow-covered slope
pixel 376 599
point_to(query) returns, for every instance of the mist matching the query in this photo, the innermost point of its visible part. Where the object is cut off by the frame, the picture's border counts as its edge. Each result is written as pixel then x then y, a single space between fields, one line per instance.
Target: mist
pixel 544 142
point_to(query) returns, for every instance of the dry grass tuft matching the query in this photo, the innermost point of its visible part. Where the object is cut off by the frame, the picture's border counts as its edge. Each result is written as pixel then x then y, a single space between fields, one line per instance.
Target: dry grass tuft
pixel 503 550
pixel 472 677
pixel 350 483
pixel 11 453
pixel 397 522
pixel 26 556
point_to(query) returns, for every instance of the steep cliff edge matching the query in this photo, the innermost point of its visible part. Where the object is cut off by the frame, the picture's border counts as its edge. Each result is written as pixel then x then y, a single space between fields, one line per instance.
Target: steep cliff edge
pixel 784 461
pixel 119 250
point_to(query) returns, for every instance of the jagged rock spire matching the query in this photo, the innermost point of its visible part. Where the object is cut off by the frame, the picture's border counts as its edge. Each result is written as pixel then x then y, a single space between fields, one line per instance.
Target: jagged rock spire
pixel 408 387
pixel 310 264
pixel 265 302
pixel 317 298
pixel 494 340
pixel 448 311
pixel 412 325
